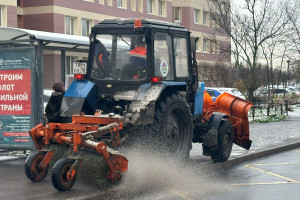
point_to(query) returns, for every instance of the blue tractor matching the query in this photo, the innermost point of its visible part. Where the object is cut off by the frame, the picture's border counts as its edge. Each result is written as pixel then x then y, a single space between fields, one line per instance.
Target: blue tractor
pixel 141 79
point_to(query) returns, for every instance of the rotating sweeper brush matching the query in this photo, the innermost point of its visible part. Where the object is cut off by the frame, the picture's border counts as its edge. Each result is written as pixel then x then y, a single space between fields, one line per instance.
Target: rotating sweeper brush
pixel 74 146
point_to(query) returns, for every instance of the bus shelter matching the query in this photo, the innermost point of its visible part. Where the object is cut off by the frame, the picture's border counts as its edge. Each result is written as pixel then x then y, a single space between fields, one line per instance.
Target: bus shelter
pixel 24 67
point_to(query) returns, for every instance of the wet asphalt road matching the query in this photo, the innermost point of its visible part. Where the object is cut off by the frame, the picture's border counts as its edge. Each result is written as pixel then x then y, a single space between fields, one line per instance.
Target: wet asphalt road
pixel 14 184
pixel 275 177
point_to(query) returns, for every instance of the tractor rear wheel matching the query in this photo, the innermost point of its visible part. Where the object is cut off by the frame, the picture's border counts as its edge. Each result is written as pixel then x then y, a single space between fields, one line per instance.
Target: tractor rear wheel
pixel 60 179
pixel 32 169
pixel 225 141
pixel 174 122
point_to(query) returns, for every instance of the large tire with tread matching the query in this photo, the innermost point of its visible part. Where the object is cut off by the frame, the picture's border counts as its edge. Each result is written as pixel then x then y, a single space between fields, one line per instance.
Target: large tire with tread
pixel 32 170
pixel 174 122
pixel 225 141
pixel 59 174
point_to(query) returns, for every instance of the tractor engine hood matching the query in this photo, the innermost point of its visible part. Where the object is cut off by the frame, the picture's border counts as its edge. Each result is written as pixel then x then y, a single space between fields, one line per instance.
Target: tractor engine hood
pixel 80 97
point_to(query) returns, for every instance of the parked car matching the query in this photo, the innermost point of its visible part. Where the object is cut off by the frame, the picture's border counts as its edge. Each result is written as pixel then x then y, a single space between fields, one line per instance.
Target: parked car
pixel 213 93
pixel 233 91
pixel 278 93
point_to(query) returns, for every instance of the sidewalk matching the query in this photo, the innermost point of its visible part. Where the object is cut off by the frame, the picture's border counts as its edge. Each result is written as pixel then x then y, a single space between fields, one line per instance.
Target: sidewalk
pixel 267 139
pixel 273 134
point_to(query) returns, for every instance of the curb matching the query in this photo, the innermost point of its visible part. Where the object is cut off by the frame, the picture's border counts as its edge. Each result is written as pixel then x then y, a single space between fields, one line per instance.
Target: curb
pixel 258 154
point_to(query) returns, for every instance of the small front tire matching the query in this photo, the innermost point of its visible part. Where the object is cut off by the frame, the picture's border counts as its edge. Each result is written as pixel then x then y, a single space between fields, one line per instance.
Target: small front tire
pixel 32 169
pixel 60 179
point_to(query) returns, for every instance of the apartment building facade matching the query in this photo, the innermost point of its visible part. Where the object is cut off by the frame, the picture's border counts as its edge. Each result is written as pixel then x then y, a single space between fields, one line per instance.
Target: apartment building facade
pixel 78 16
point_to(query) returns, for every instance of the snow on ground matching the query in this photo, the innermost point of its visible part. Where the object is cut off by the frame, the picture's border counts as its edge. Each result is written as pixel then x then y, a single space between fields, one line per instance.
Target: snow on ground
pixel 295 111
pixel 7 157
pixel 10 155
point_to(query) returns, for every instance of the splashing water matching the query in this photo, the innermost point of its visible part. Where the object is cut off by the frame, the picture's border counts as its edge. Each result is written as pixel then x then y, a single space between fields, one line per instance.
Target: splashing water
pixel 152 177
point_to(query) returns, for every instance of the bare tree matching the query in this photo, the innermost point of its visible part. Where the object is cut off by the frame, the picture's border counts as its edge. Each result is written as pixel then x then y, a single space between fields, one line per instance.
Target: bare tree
pixel 216 74
pixel 269 50
pixel 293 12
pixel 250 25
pixel 297 73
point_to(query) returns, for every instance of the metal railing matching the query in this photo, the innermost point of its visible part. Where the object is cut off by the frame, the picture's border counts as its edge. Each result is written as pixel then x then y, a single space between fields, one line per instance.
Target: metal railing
pixel 268 109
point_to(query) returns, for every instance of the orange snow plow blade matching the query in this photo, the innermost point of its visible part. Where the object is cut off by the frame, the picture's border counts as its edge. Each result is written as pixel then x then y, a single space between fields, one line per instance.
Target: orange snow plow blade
pixel 237 110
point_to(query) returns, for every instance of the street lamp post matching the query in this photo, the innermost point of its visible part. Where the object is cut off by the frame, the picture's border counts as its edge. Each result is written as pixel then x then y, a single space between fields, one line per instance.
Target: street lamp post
pixel 288 72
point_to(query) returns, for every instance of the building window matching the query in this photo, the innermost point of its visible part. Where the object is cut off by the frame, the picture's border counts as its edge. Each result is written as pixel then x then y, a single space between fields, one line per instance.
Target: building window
pixel 86 27
pixel 109 2
pixel 196 16
pixel 69 25
pixel 205 45
pixel 160 8
pixel 1 17
pixel 69 65
pixel 69 76
pixel 205 15
pixel 133 5
pixel 140 6
pixel 177 17
pixel 198 45
pixel 101 2
pixel 20 3
pixel 149 6
pixel 120 4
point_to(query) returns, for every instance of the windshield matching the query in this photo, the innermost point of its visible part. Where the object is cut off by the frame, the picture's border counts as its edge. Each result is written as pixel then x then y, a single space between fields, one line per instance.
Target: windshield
pixel 119 57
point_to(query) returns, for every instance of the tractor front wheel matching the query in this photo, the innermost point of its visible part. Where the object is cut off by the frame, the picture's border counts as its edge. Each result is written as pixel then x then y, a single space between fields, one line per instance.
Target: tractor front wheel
pixel 61 178
pixel 32 169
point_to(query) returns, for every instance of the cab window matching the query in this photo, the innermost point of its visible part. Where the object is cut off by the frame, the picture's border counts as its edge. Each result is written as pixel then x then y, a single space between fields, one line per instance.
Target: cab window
pixel 181 57
pixel 163 60
pixel 119 57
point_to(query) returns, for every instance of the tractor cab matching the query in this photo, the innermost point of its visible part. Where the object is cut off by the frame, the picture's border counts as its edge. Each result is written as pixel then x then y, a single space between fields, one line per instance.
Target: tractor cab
pixel 128 53
pixel 127 59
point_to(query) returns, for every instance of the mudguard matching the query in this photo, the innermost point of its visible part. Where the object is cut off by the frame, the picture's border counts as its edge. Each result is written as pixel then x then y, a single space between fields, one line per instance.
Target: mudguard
pixel 211 138
pixel 79 93
pixel 142 108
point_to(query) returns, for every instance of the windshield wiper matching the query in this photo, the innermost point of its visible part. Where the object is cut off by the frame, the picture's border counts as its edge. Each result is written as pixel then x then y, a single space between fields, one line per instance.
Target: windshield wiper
pixel 123 40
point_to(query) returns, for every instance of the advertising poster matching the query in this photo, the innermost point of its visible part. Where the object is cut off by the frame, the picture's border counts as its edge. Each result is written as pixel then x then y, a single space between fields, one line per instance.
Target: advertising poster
pixel 15 99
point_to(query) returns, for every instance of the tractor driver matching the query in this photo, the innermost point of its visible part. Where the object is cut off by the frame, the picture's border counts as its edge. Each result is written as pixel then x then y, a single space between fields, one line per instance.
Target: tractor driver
pixel 138 57
pixel 101 59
